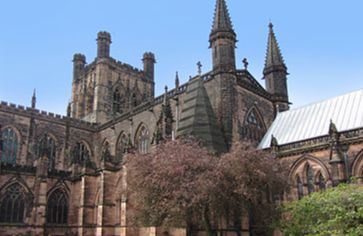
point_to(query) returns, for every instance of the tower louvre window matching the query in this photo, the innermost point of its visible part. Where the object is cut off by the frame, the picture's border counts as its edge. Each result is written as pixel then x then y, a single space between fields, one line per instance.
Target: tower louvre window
pixel 117 101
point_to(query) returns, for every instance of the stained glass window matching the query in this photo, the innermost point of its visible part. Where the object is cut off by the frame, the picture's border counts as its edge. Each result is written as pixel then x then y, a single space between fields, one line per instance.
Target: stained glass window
pixel 12 205
pixel 57 208
pixel 117 101
pixel 9 146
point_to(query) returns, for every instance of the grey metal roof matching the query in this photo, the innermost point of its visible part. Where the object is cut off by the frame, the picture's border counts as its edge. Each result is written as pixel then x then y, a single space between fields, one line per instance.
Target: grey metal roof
pixel 345 111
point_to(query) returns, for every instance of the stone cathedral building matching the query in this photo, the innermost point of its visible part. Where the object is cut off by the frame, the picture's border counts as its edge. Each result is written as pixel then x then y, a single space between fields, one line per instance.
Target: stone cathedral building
pixel 62 175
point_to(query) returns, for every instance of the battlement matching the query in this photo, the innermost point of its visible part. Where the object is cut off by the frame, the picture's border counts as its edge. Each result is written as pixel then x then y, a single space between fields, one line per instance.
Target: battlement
pixel 48 116
pixel 79 57
pixel 104 35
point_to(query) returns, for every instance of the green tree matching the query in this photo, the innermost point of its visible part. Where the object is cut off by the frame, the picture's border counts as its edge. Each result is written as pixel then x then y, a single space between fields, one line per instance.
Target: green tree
pixel 336 211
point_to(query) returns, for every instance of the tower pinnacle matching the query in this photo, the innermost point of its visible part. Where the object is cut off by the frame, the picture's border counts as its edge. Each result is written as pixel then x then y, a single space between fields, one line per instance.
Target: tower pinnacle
pixel 34 99
pixel 274 59
pixel 222 39
pixel 275 72
pixel 222 20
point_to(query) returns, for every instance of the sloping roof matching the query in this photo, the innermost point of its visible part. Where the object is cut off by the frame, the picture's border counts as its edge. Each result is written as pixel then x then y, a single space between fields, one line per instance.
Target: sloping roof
pixel 198 119
pixel 311 121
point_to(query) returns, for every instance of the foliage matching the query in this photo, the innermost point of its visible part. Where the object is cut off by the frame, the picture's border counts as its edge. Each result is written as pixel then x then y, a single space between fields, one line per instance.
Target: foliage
pixel 180 184
pixel 336 211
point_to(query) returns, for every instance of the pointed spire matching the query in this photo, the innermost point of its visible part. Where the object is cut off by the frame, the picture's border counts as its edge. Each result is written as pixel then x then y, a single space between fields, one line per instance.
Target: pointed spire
pixel 273 56
pixel 177 82
pixel 34 99
pixel 222 20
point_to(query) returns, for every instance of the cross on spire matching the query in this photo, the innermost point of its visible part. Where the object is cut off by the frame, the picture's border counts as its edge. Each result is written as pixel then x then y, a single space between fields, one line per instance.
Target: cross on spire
pixel 199 64
pixel 245 63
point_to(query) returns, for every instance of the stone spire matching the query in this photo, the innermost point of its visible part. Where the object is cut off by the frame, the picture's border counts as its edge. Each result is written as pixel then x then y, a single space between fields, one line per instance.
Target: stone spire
pixel 274 59
pixel 275 72
pixel 222 39
pixel 34 99
pixel 177 81
pixel 222 20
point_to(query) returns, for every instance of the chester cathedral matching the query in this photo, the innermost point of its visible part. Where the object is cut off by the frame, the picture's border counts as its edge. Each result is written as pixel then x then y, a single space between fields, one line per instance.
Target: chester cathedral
pixel 63 175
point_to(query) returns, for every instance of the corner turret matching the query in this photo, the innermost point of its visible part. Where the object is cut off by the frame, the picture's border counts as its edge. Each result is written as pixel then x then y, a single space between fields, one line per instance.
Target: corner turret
pixel 79 61
pixel 103 44
pixel 149 64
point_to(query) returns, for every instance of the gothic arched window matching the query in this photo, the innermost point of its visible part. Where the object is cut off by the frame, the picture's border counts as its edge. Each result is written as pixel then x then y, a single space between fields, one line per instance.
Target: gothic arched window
pixel 310 179
pixel 12 205
pixel 121 147
pixel 116 101
pixel 142 140
pixel 47 146
pixel 252 119
pixel 300 187
pixel 321 180
pixel 57 208
pixel 9 146
pixel 80 153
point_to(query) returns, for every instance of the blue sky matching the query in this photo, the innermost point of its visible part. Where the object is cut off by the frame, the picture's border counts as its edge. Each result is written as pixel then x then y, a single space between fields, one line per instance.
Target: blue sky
pixel 322 42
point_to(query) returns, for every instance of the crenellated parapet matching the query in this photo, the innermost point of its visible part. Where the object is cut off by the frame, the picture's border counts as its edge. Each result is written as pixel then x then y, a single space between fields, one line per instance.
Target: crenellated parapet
pixel 46 116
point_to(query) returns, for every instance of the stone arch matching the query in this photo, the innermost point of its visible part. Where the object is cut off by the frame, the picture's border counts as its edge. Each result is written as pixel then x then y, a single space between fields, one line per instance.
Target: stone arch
pixel 142 138
pixel 357 166
pixel 308 168
pixel 13 153
pixel 308 159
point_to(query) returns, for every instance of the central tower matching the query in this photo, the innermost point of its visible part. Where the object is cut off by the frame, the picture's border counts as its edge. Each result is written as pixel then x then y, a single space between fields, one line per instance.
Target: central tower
pixel 222 39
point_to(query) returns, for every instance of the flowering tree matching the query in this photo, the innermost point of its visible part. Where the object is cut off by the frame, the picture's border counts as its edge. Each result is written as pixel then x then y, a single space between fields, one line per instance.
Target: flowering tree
pixel 180 184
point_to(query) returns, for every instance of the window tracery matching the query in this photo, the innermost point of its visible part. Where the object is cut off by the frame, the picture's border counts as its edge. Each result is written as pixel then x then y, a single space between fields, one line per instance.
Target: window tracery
pixel 9 146
pixel 12 205
pixel 57 208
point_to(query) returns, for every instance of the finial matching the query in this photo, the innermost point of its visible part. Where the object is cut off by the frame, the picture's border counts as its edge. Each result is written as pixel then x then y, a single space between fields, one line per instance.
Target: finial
pixel 270 25
pixel 165 95
pixel 199 64
pixel 34 99
pixel 177 80
pixel 245 63
pixel 69 110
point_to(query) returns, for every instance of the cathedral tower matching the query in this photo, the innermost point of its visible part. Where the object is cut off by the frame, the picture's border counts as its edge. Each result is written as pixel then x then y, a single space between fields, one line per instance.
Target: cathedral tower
pixel 223 39
pixel 275 72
